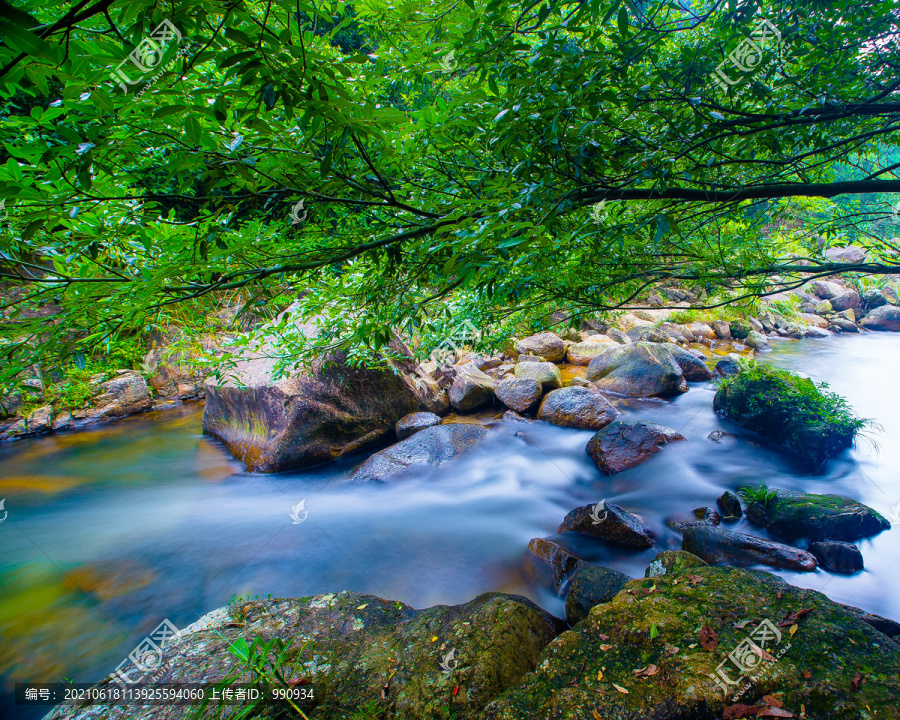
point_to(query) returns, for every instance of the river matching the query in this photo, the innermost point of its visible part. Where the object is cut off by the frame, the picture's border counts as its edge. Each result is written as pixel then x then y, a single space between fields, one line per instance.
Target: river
pixel 110 531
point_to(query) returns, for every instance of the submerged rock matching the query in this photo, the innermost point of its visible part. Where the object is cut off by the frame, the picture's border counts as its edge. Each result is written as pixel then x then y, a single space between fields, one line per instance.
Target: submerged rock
pixel 624 445
pixel 471 389
pixel 718 545
pixel 677 646
pixel 886 317
pixel 519 394
pixel 793 515
pixel 607 522
pixel 839 557
pixel 562 562
pixel 591 586
pixel 546 373
pixel 412 423
pixel 577 407
pixel 355 650
pixel 640 369
pixel 431 447
pixel 546 344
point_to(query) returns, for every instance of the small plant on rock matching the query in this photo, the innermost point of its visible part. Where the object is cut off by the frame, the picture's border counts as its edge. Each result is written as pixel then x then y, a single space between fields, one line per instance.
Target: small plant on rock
pixel 761 494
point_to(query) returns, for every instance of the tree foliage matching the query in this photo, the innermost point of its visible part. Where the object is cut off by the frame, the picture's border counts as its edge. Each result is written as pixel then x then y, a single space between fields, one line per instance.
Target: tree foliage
pixel 473 159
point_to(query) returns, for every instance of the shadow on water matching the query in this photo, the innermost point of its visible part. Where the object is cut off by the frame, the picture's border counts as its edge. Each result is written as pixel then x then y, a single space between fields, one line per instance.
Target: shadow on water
pixel 111 531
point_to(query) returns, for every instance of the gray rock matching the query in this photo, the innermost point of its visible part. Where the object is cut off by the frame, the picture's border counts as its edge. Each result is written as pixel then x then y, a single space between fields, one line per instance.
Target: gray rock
pixel 722 329
pixel 577 407
pixel 471 389
pixel 647 334
pixel 618 336
pixel 625 445
pixel 756 325
pixel 679 333
pixel 846 300
pixel 718 545
pixel 546 344
pixel 842 325
pixel 592 586
pixel 702 330
pixel 412 423
pixel 825 289
pixel 583 352
pixel 757 341
pixel 823 307
pixel 519 394
pixel 839 557
pixel 638 370
pixel 886 317
pixel 726 367
pixel 692 367
pixel 530 358
pixel 850 254
pixel 608 522
pixel 546 373
pixel 874 299
pixel 432 447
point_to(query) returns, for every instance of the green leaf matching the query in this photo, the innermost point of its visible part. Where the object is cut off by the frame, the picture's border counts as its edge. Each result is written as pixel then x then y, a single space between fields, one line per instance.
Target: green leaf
pixel 622 20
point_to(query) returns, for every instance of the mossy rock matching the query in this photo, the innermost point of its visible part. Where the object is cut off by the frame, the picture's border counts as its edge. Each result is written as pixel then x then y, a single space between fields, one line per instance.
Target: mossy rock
pixel 656 626
pixel 793 515
pixel 788 411
pixel 740 329
pixel 673 561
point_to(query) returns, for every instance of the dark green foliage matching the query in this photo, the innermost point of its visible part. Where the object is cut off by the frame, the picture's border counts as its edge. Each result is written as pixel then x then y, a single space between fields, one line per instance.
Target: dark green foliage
pixel 789 410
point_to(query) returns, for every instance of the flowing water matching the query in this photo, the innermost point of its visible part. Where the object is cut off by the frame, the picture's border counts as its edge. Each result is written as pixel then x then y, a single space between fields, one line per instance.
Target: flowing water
pixel 109 532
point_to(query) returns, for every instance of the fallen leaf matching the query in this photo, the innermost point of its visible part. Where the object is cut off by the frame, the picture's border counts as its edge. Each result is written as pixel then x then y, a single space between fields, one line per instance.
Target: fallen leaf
pixel 434 639
pixel 599 675
pixel 602 636
pixel 596 715
pixel 604 648
pixel 648 671
pixel 759 652
pixel 793 617
pixel 774 712
pixel 773 701
pixel 695 579
pixel 807 674
pixel 620 688
pixel 362 607
pixel 857 681
pixel 692 645
pixel 670 650
pixel 709 639
pixel 456 690
pixel 794 628
pixel 739 710
pixel 743 623
pixel 779 594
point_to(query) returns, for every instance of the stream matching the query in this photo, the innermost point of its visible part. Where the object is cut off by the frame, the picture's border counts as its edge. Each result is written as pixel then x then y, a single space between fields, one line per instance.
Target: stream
pixel 110 531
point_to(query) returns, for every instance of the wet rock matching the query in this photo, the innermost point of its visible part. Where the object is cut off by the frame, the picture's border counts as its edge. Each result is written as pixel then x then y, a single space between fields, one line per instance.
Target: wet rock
pixel 722 329
pixel 702 330
pixel 512 416
pixel 813 332
pixel 576 673
pixel 693 367
pixel 793 515
pixel 842 325
pixel 583 352
pixel 679 333
pixel 581 382
pixel 558 558
pixel 647 334
pixel 825 289
pixel 846 300
pixel 699 516
pixel 726 367
pixel 757 341
pixel 740 329
pixel 638 370
pixel 886 626
pixel 718 545
pixel 625 445
pixel 355 649
pixel 716 436
pixel 577 407
pixel 839 557
pixel 730 505
pixel 471 389
pixel 672 562
pixel 412 423
pixel 37 422
pixel 874 298
pixel 62 421
pixel 707 515
pixel 816 320
pixel 433 446
pixel 886 317
pixel 608 522
pixel 756 325
pixel 519 394
pixel 530 358
pixel 592 586
pixel 823 307
pixel 546 373
pixel 546 344
pixel 619 336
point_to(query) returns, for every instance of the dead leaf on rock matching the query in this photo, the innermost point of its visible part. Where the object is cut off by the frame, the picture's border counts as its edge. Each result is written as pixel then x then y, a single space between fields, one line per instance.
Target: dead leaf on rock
pixel 857 681
pixel 709 639
pixel 646 672
pixel 670 650
pixel 604 648
pixel 599 675
pixel 794 628
pixel 774 712
pixel 759 652
pixel 695 579
pixel 793 617
pixel 807 674
pixel 773 701
pixel 743 623
pixel 620 688
pixel 602 636
pixel 596 715
pixel 779 594
pixel 740 710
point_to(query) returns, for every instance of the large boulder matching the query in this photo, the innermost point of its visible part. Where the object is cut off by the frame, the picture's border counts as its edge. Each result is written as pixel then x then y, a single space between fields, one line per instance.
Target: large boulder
pixel 886 317
pixel 355 650
pixel 705 643
pixel 789 411
pixel 519 394
pixel 412 423
pixel 839 557
pixel 624 445
pixel 794 515
pixel 306 418
pixel 825 289
pixel 591 586
pixel 431 447
pixel 640 369
pixel 471 389
pixel 546 373
pixel 546 344
pixel 849 254
pixel 846 300
pixel 577 407
pixel 679 333
pixel 718 545
pixel 125 394
pixel 610 522
pixel 583 352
